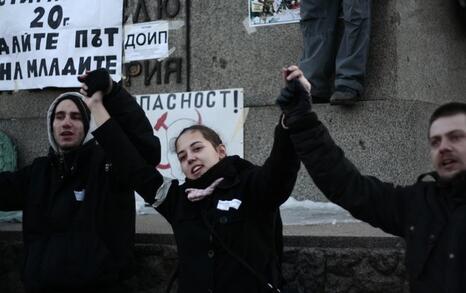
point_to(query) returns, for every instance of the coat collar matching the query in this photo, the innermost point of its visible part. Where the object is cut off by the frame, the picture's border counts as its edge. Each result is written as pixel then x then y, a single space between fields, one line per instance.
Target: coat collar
pixel 68 163
pixel 453 189
pixel 228 168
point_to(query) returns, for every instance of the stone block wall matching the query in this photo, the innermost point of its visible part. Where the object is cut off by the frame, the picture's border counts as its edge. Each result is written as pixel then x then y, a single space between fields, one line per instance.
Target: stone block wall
pixel 416 62
pixel 311 264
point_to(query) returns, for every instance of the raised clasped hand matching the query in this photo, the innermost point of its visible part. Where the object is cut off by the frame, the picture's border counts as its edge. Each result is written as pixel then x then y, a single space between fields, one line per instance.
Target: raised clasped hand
pixel 291 72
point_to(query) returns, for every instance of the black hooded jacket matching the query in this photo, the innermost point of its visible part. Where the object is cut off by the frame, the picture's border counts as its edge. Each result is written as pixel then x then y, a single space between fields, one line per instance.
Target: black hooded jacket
pixel 250 227
pixel 429 215
pixel 88 243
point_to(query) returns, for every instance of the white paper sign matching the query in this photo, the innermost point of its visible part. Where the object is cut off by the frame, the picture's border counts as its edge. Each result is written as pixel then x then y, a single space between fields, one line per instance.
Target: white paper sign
pixel 221 110
pixel 270 12
pixel 147 40
pixel 50 43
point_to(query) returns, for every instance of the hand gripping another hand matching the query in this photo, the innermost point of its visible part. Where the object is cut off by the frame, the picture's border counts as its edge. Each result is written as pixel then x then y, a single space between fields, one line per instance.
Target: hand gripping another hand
pixel 294 99
pixel 97 80
pixel 94 85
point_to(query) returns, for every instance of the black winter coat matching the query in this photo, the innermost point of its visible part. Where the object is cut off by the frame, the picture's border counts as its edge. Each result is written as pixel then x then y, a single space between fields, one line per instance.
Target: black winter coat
pixel 72 244
pixel 430 216
pixel 252 232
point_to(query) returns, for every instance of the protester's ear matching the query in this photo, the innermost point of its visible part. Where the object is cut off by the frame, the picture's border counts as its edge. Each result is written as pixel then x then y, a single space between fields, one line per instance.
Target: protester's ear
pixel 222 151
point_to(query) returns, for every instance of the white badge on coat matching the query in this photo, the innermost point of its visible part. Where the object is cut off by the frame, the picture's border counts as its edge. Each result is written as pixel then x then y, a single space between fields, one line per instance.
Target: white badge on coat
pixel 79 194
pixel 225 205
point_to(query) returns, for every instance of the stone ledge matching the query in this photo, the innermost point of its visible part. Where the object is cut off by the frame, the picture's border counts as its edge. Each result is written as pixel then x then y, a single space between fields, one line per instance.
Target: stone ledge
pixel 154 229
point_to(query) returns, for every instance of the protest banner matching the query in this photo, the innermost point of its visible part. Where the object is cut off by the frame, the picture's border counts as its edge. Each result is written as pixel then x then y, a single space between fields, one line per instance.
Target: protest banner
pixel 147 40
pixel 49 43
pixel 221 110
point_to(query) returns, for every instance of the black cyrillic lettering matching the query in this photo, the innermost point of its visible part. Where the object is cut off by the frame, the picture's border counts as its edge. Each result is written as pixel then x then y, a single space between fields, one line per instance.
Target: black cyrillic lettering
pixel 96 40
pixel 149 73
pixel 210 103
pixel 173 9
pixel 141 102
pixel 54 70
pixel 16 47
pixel 165 33
pixel 132 69
pixel 125 7
pixel 43 67
pixel 26 42
pixel 81 39
pixel 38 37
pixel 143 37
pixel 32 68
pixel 84 64
pixel 170 103
pixel 224 93
pixel 130 41
pixel 69 67
pixel 186 100
pixel 157 104
pixel 40 11
pixel 235 101
pixel 159 9
pixel 141 5
pixel 198 100
pixel 152 38
pixel 18 72
pixel 172 65
pixel 5 71
pixel 111 32
pixel 111 63
pixel 4 46
pixel 54 22
pixel 99 61
pixel 52 40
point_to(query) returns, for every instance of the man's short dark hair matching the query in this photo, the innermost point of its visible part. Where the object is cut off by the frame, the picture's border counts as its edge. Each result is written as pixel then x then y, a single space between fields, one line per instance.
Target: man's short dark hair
pixel 446 110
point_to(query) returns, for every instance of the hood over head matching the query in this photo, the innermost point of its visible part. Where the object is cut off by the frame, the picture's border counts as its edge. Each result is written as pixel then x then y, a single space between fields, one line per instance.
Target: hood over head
pixel 88 121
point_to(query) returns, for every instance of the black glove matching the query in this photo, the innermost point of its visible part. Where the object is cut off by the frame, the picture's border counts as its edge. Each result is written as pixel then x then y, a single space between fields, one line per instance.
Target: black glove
pixel 97 80
pixel 294 100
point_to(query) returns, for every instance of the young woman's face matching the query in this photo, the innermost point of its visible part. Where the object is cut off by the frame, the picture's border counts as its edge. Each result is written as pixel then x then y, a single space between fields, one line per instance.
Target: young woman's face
pixel 196 154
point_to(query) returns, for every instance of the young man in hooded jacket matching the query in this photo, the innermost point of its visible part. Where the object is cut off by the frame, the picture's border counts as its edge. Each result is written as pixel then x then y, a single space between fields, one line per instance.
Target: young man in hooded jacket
pixel 78 201
pixel 429 215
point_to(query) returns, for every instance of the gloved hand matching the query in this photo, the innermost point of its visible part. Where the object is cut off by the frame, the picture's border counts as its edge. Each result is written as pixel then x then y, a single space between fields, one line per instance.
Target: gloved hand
pixel 97 80
pixel 294 100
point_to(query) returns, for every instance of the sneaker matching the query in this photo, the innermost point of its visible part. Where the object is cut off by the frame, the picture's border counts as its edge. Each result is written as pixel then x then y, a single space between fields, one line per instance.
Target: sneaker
pixel 344 96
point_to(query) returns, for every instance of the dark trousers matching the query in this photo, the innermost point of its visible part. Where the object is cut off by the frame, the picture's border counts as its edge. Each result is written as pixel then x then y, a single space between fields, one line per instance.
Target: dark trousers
pixel 336 43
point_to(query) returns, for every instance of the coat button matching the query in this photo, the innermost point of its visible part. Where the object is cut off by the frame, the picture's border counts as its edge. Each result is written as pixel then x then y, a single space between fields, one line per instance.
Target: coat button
pixel 210 253
pixel 223 220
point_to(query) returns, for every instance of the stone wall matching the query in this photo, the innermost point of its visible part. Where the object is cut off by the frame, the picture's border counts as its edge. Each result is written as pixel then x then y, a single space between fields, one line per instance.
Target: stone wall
pixel 417 61
pixel 311 264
